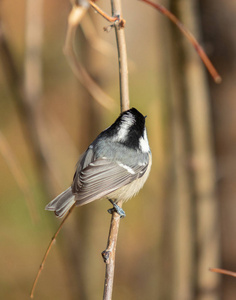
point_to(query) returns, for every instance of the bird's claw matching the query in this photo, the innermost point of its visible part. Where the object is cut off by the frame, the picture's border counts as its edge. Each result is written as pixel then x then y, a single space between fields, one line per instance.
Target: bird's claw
pixel 117 209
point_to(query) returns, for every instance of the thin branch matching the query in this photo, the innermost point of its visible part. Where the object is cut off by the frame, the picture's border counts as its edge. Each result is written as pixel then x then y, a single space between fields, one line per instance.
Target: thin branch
pixel 122 56
pixel 102 13
pixel 222 271
pixel 48 250
pixel 190 37
pixel 95 91
pixel 109 253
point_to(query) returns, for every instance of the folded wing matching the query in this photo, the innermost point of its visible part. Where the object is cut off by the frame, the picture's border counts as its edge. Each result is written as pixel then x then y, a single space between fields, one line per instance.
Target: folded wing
pixel 102 177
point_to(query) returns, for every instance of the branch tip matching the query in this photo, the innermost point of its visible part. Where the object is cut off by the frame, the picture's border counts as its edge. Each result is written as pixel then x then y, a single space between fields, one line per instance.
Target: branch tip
pixel 223 271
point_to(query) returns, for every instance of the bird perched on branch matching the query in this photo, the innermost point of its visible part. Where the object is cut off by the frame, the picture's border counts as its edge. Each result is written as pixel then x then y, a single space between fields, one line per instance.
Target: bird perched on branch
pixel 115 165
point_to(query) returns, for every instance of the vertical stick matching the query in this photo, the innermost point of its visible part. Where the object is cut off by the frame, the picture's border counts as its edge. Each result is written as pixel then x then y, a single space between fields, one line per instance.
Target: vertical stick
pixel 109 253
pixel 203 162
pixel 122 57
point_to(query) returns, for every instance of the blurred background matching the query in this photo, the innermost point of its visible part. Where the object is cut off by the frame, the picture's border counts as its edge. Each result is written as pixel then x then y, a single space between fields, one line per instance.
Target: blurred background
pixel 183 221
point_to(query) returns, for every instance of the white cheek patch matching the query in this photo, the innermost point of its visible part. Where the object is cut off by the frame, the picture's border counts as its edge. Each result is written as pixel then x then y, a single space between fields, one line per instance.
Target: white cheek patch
pixel 143 143
pixel 130 170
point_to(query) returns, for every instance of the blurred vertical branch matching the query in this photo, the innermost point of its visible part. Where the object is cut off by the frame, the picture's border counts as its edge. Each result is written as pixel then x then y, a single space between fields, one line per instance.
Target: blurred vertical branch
pixel 33 88
pixel 183 222
pixel 24 95
pixel 202 161
pixel 33 52
pixel 196 229
pixel 219 29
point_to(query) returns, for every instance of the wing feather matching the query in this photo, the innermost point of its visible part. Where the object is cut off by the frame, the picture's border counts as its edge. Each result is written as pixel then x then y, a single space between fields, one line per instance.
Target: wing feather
pixel 102 177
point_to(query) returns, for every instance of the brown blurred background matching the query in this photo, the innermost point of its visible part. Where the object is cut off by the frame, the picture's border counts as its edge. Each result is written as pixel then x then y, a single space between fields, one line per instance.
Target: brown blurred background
pixel 183 221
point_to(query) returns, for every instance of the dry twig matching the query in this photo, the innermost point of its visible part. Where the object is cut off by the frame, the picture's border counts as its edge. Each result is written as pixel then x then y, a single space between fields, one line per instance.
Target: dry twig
pixel 48 250
pixel 222 271
pixel 190 37
pixel 102 13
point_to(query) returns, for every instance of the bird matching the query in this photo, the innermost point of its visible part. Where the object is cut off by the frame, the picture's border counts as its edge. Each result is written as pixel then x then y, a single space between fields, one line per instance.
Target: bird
pixel 115 166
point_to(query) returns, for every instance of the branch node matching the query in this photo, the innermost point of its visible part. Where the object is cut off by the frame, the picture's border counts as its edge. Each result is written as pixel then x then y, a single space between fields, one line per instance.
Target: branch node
pixel 122 23
pixel 106 255
pixel 119 23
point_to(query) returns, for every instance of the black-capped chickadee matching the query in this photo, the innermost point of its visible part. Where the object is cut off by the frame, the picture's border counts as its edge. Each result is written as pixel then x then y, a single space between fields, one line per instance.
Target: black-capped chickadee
pixel 116 166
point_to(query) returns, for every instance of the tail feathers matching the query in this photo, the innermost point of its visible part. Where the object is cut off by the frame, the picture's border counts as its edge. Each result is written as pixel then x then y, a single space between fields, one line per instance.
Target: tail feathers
pixel 62 203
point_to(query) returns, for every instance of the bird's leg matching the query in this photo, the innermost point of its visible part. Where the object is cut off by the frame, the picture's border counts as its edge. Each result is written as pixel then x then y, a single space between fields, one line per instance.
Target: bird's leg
pixel 117 209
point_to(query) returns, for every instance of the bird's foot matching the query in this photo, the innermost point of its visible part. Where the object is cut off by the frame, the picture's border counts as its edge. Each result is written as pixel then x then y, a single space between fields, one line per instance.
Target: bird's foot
pixel 117 209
